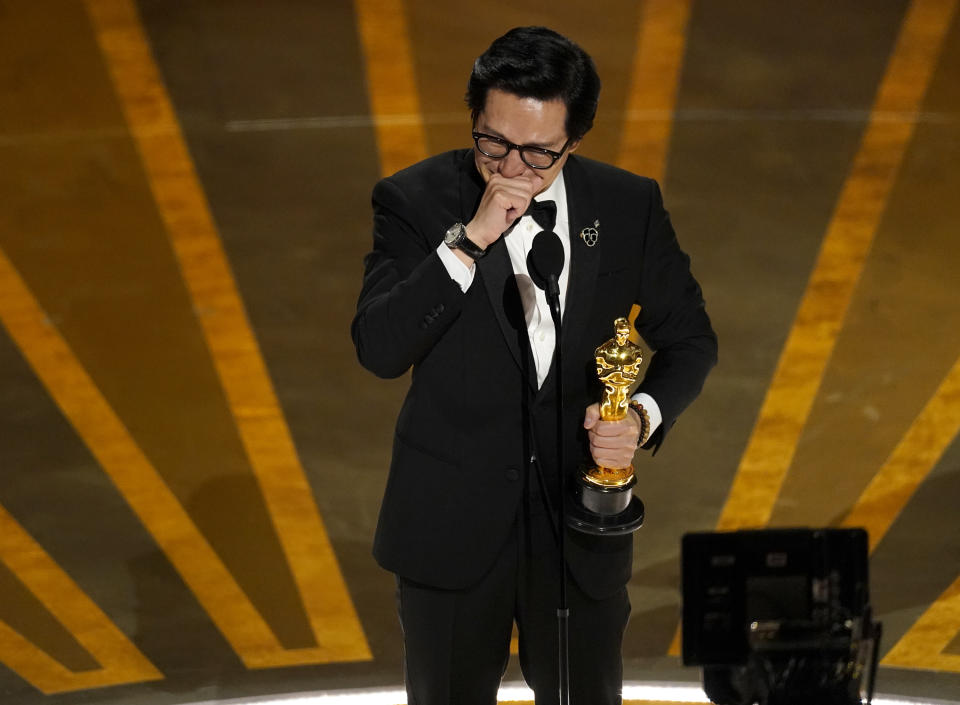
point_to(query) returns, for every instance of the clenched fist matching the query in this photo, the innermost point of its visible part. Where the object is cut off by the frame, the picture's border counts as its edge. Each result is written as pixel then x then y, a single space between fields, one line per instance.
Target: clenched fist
pixel 612 443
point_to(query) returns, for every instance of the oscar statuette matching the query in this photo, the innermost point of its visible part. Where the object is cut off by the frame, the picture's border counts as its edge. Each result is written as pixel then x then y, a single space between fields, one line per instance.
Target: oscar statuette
pixel 605 504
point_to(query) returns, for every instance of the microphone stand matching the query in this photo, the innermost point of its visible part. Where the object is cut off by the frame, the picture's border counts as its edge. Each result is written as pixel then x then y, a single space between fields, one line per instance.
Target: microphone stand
pixel 563 612
pixel 545 261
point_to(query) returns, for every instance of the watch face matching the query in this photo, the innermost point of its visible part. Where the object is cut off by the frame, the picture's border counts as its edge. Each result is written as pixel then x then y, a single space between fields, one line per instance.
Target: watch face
pixel 453 235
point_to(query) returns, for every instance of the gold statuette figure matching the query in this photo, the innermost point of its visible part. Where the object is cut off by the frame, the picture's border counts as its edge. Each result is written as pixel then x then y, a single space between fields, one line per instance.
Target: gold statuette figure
pixel 618 366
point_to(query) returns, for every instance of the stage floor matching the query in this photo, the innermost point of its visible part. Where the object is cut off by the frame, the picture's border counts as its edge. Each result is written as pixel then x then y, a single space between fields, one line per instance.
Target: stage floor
pixel 191 459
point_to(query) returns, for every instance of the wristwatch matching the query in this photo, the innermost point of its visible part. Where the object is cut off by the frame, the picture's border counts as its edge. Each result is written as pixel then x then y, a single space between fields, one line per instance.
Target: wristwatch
pixel 456 239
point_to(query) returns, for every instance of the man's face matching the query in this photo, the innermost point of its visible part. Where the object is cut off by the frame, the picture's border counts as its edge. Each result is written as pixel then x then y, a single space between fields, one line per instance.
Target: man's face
pixel 527 122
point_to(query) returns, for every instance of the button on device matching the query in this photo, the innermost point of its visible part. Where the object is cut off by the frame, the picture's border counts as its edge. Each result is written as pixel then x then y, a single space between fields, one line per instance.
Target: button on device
pixel 512 474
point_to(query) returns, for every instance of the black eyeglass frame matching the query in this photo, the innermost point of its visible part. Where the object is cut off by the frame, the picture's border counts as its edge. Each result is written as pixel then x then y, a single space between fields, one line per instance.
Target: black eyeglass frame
pixel 521 148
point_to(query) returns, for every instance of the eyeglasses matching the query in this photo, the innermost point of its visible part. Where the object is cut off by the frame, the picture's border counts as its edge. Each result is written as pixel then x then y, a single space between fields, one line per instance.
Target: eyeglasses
pixel 533 157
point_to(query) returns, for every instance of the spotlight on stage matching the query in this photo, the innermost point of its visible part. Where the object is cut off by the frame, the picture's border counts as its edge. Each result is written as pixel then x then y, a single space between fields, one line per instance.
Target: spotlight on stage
pixel 780 616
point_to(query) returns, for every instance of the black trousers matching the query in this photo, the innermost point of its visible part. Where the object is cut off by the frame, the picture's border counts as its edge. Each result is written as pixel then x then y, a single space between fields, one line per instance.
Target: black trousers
pixel 456 642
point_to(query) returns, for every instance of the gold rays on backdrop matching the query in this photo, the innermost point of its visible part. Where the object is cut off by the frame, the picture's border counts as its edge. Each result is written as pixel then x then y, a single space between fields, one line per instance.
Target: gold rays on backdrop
pixel 331 621
pixel 242 372
pixel 845 247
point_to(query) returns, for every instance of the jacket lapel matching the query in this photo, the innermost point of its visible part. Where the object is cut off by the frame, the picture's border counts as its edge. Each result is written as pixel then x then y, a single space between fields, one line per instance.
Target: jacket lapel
pixel 582 213
pixel 496 273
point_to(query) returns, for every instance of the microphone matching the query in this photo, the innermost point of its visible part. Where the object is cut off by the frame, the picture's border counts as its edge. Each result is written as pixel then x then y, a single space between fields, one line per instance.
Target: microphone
pixel 545 262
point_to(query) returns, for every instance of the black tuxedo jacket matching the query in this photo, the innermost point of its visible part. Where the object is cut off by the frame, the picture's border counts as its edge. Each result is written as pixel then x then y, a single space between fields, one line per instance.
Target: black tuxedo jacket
pixel 473 416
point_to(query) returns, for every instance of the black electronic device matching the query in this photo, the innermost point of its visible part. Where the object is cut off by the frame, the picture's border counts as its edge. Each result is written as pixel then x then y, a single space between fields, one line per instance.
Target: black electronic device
pixel 780 616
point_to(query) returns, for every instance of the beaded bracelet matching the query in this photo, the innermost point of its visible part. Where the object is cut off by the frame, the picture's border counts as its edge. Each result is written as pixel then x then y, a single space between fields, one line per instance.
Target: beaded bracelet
pixel 644 421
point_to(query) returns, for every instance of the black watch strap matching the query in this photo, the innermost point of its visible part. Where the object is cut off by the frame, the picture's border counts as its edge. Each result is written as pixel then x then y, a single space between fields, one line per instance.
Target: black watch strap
pixel 456 239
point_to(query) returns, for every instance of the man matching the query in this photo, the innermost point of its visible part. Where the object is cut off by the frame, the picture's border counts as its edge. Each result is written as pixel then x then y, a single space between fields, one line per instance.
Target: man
pixel 468 521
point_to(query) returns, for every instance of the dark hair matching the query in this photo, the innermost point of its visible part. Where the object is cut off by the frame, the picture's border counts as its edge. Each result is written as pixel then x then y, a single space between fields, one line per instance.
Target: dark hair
pixel 536 62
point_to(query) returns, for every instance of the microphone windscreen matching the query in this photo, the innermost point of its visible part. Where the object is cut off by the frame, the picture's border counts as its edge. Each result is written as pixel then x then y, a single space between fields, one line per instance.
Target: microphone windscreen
pixel 545 258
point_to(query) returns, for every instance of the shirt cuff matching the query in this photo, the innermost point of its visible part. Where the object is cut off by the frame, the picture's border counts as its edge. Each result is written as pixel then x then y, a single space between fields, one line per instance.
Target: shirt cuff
pixel 653 411
pixel 458 271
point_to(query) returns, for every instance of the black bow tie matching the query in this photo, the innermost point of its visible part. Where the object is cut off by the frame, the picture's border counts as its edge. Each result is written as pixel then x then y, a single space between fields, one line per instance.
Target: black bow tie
pixel 544 213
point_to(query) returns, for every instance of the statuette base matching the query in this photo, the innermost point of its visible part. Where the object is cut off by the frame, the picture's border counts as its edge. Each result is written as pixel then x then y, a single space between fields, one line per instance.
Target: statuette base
pixel 605 511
